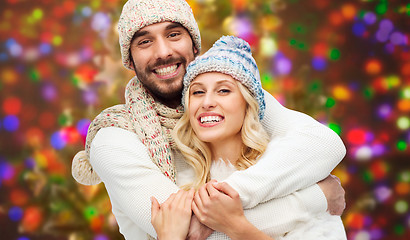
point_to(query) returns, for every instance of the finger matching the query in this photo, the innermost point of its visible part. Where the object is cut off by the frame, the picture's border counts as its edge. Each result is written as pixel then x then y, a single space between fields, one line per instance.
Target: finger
pixel 154 207
pixel 336 178
pixel 212 181
pixel 189 198
pixel 203 194
pixel 212 191
pixel 179 199
pixel 169 200
pixel 195 209
pixel 197 200
pixel 227 189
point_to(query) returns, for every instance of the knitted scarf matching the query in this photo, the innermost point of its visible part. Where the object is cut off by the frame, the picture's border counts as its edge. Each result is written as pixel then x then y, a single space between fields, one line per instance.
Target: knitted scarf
pixel 150 120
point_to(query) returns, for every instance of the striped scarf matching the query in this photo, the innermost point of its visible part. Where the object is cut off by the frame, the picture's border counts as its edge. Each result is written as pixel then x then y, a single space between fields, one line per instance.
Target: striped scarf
pixel 150 120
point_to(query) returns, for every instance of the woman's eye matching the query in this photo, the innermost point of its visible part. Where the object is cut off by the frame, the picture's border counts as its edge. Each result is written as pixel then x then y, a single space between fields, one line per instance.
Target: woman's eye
pixel 197 92
pixel 224 91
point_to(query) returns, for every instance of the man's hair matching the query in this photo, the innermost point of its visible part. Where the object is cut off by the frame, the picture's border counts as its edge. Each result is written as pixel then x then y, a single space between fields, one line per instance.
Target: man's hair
pixel 198 155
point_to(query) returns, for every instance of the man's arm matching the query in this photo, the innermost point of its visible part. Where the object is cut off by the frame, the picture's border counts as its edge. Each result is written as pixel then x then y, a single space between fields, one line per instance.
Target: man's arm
pixel 278 216
pixel 130 177
pixel 301 153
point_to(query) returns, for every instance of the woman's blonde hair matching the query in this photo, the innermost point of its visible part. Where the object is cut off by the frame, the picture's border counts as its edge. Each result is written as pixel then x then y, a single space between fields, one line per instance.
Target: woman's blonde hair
pixel 198 155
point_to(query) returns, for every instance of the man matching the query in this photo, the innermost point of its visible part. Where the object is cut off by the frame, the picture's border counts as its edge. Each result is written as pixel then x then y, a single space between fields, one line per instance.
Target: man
pixel 129 146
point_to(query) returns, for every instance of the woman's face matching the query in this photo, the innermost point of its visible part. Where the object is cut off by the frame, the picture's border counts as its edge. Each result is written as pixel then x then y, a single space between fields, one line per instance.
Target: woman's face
pixel 216 107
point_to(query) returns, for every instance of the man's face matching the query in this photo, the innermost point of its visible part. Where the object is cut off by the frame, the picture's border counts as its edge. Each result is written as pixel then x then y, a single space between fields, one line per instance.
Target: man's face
pixel 161 53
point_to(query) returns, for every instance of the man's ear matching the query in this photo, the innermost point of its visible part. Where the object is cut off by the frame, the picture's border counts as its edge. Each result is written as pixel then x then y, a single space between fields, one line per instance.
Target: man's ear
pixel 132 64
pixel 195 51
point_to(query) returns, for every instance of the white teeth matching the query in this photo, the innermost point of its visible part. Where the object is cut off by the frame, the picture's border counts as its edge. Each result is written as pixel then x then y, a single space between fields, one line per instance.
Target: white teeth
pixel 210 119
pixel 166 70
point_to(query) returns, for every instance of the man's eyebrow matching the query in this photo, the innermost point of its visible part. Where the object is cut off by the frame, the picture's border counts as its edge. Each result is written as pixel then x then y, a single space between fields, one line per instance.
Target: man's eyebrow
pixel 139 34
pixel 173 25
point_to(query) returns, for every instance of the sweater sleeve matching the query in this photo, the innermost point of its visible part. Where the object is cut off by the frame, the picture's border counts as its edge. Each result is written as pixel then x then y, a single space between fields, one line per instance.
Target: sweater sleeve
pixel 279 216
pixel 302 152
pixel 130 177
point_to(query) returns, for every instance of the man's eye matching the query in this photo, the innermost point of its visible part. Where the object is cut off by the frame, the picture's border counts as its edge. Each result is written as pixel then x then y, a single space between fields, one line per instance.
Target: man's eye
pixel 143 42
pixel 174 34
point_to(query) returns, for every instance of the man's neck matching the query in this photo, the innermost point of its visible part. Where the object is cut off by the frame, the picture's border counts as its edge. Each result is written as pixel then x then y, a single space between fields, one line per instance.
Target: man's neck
pixel 169 103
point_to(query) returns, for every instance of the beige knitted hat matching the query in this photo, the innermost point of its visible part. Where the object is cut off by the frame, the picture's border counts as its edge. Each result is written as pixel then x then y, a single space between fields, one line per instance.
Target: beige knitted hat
pixel 137 14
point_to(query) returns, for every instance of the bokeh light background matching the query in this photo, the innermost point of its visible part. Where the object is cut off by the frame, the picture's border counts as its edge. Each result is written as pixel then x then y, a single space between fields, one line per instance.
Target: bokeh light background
pixel 346 63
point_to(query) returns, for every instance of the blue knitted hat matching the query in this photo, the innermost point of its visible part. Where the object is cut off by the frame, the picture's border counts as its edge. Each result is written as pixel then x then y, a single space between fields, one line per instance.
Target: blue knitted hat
pixel 232 56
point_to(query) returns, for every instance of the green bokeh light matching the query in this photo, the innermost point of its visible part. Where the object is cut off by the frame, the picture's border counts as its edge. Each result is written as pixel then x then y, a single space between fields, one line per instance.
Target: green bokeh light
pixel 401 145
pixel 330 102
pixel 335 127
pixel 334 54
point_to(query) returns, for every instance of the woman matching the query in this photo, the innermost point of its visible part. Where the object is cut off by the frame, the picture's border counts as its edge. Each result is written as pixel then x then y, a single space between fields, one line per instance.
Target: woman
pixel 219 134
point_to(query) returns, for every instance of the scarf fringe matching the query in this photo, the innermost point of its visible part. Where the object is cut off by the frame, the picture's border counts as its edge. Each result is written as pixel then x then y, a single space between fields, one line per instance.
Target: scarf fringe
pixel 151 121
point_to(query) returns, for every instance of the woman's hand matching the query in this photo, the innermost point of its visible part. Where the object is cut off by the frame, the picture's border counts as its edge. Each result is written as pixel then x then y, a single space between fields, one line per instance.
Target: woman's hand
pixel 171 219
pixel 218 206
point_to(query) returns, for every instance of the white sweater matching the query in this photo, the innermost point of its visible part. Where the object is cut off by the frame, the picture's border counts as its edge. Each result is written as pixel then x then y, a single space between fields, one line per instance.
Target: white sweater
pixel 301 153
pixel 304 225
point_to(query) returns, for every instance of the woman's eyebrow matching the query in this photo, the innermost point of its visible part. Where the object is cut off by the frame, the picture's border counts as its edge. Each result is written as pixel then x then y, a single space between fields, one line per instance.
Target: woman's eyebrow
pixel 196 83
pixel 223 81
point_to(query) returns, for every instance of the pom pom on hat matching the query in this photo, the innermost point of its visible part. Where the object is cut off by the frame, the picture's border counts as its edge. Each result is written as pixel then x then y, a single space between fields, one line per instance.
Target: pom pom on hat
pixel 232 56
pixel 232 42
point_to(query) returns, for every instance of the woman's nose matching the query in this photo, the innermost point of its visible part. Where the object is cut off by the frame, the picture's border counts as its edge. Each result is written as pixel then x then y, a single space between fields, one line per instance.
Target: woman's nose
pixel 208 101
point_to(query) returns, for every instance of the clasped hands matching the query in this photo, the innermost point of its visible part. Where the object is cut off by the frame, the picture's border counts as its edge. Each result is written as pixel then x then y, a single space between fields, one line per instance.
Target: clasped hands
pixel 210 205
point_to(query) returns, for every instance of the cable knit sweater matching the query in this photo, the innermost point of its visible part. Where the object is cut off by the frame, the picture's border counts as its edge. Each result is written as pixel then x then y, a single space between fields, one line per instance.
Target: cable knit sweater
pixel 301 153
pixel 307 225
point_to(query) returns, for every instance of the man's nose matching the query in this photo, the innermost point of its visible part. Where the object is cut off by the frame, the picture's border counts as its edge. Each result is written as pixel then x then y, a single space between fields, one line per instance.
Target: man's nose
pixel 163 49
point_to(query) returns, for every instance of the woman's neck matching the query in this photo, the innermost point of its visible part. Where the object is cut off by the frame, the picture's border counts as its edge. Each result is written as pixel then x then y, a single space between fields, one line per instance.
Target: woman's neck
pixel 228 150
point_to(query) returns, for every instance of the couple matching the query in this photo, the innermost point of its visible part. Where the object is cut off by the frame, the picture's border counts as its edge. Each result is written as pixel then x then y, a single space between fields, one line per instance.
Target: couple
pixel 130 148
pixel 220 133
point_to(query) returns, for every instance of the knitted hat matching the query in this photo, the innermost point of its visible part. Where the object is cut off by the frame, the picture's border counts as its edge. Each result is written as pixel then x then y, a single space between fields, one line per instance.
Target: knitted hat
pixel 232 56
pixel 137 14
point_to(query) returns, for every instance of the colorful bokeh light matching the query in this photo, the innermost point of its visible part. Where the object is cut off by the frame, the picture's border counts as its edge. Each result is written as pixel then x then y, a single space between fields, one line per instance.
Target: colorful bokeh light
pixel 345 63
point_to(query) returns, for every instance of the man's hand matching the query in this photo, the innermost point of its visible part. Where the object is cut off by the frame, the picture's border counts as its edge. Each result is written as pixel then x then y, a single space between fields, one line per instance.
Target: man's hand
pixel 197 230
pixel 334 193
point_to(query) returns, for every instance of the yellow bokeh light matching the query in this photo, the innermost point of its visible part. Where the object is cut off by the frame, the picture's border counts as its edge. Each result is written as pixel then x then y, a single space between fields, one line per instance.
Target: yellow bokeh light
pixel 341 93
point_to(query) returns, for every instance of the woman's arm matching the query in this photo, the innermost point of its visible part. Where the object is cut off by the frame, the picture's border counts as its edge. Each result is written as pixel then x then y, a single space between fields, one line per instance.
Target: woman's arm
pixel 301 153
pixel 172 218
pixel 131 178
pixel 221 210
